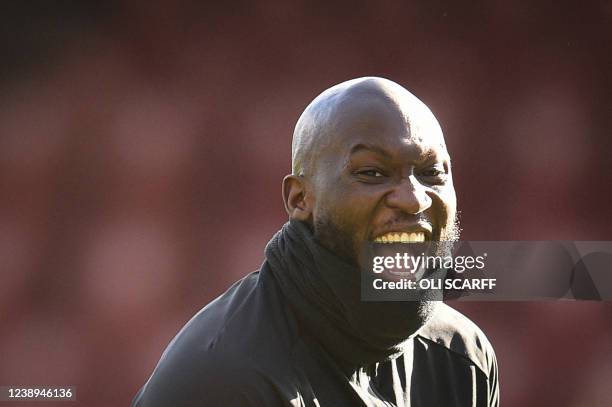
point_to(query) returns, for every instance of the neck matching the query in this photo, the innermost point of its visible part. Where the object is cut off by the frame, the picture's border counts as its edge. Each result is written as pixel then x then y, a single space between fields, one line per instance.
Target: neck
pixel 324 292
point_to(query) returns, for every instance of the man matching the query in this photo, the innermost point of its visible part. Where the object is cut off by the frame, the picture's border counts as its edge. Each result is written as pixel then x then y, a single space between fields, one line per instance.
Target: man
pixel 369 165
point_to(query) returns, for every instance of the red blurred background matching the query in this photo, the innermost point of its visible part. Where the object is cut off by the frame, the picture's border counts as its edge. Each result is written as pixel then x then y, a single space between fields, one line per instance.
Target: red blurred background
pixel 142 147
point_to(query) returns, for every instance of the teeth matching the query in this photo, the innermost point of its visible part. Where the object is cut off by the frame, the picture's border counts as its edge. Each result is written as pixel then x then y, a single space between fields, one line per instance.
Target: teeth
pixel 403 237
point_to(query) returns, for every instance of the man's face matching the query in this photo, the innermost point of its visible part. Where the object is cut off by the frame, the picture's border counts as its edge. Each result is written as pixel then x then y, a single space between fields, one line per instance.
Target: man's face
pixel 379 179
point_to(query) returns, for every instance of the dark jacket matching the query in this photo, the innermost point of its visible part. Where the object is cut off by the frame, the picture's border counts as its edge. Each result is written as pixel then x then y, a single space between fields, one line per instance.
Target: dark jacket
pixel 251 347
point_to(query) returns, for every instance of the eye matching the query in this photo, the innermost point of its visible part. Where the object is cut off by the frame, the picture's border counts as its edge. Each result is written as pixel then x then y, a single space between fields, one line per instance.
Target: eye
pixel 433 172
pixel 371 173
pixel 436 174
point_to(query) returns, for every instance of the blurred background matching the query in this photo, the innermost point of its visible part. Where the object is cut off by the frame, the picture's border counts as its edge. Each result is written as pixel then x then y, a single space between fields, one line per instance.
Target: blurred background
pixel 143 144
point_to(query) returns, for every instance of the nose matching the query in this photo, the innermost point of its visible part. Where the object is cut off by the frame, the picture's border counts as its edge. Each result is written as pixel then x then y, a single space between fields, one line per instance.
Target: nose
pixel 409 196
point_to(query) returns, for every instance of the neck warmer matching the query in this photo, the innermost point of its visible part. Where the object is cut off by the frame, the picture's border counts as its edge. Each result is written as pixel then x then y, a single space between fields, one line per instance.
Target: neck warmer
pixel 324 293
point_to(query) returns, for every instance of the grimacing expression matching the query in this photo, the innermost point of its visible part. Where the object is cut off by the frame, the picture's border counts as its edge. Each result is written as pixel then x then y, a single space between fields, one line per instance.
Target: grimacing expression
pixel 377 170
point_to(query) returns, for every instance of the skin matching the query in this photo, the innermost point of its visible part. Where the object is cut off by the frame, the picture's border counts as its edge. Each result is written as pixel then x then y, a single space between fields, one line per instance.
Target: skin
pixel 369 158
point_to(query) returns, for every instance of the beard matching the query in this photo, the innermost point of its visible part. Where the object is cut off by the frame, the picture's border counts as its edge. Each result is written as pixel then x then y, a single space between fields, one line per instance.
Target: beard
pixel 341 239
pixel 387 321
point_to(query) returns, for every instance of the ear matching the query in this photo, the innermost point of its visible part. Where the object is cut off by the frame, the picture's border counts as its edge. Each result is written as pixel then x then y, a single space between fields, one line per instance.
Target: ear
pixel 297 200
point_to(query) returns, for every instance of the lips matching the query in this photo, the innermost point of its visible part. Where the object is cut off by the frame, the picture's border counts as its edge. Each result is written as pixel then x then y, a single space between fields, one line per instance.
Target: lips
pixel 401 237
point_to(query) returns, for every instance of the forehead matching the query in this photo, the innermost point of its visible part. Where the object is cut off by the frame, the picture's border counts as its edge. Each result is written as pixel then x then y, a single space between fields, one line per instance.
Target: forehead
pixel 391 123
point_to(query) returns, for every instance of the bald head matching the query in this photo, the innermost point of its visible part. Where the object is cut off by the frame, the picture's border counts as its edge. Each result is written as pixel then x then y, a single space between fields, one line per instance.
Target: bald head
pixel 369 158
pixel 352 106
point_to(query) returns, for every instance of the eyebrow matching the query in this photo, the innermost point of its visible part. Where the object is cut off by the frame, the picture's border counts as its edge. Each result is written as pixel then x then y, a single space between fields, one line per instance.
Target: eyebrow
pixel 369 147
pixel 426 155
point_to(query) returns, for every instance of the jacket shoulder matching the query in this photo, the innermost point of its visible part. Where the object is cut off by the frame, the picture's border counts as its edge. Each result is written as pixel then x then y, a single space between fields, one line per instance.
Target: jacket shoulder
pixel 222 355
pixel 218 382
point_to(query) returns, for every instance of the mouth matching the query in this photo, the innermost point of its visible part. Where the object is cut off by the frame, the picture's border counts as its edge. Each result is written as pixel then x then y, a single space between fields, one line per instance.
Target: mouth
pixel 419 232
pixel 415 241
pixel 401 237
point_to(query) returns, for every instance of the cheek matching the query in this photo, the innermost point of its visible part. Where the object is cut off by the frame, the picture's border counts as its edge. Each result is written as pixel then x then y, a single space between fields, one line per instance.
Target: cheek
pixel 348 207
pixel 450 202
pixel 447 207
